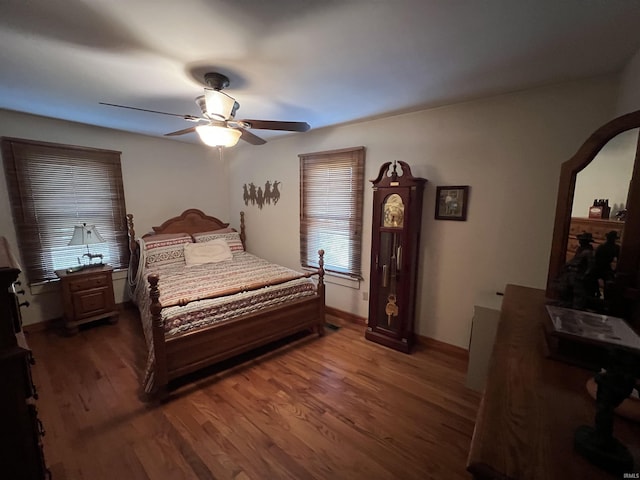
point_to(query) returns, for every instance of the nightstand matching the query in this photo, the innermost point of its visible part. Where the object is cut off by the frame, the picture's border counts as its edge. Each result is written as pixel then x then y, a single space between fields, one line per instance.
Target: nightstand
pixel 87 296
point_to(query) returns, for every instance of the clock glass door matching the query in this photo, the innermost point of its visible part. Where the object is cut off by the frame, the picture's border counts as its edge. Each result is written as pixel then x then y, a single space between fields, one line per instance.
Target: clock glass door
pixel 388 297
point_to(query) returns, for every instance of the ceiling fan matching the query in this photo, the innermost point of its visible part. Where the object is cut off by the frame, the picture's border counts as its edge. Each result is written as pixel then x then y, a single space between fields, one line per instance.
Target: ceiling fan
pixel 219 127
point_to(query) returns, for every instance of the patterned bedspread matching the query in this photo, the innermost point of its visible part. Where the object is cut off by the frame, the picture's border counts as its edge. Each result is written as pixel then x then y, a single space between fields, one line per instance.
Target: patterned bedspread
pixel 245 274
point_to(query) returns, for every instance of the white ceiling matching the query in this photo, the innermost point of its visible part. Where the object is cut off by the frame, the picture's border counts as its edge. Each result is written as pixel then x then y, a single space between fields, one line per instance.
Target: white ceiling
pixel 322 61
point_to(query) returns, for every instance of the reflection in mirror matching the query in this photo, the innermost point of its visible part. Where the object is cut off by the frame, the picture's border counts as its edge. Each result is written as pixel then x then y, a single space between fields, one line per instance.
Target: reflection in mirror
pixel 605 180
pixel 607 176
pixel 597 225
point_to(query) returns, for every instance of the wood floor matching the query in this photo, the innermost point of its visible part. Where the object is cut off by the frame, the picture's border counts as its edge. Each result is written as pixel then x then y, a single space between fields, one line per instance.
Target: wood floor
pixel 337 407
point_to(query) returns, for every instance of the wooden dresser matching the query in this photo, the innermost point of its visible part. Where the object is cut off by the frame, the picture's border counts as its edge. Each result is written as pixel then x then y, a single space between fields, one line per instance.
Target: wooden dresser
pixel 21 453
pixel 532 404
pixel 596 227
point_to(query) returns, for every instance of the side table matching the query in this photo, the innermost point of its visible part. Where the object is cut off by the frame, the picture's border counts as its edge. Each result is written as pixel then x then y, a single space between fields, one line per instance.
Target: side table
pixel 87 295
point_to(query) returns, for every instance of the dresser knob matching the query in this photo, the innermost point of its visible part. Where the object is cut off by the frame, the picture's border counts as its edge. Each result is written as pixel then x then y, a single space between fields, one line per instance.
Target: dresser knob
pixel 20 292
pixel 24 304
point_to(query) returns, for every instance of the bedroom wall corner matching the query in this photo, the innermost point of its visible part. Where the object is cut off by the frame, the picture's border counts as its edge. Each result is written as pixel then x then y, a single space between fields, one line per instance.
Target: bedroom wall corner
pixel 161 179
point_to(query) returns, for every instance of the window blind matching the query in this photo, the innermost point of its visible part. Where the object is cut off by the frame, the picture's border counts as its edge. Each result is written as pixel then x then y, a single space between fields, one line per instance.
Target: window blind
pixel 331 197
pixel 54 187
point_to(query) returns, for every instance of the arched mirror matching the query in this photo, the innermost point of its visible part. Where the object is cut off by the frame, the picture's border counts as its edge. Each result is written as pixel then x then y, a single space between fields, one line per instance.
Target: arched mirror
pixel 606 166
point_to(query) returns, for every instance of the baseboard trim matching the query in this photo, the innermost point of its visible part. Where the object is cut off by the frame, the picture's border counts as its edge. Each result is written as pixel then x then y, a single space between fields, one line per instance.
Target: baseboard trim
pixel 349 317
pixel 54 323
pixel 41 326
pixel 428 342
pixel 453 350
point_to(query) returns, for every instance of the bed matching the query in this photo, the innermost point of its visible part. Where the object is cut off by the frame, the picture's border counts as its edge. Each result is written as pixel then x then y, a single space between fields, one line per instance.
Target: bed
pixel 203 299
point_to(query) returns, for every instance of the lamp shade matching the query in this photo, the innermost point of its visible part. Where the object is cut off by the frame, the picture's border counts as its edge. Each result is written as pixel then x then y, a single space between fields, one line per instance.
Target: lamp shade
pixel 85 235
pixel 219 104
pixel 216 136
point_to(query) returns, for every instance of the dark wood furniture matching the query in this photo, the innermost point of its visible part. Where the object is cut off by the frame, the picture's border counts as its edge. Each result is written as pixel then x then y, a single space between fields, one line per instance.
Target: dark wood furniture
pixel 596 227
pixel 627 281
pixel 21 454
pixel 532 404
pixel 87 295
pixel 177 355
pixel 395 241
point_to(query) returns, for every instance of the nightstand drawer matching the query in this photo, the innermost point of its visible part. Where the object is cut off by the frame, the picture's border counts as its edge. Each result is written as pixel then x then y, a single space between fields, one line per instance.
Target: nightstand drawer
pixel 92 302
pixel 88 282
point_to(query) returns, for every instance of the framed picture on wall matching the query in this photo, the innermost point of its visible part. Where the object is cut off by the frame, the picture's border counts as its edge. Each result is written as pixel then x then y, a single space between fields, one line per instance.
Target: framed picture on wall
pixel 452 202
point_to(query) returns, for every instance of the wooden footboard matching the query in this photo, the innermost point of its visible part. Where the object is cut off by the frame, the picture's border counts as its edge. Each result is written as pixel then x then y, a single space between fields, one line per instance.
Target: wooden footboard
pixel 180 354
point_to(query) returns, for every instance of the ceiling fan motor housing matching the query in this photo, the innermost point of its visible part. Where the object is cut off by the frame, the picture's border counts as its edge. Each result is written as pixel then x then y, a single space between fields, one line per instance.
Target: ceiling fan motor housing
pixel 216 80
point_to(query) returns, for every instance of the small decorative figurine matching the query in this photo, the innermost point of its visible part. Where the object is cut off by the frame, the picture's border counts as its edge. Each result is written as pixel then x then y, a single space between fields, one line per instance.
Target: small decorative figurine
pixel 606 256
pixel 576 286
pixel 621 215
pixel 597 444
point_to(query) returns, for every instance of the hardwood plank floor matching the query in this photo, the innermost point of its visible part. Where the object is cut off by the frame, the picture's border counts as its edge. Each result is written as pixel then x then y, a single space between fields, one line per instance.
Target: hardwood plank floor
pixel 337 407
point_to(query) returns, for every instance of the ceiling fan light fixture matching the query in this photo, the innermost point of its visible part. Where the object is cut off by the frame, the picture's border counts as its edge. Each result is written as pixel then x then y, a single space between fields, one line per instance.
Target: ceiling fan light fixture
pixel 218 104
pixel 215 136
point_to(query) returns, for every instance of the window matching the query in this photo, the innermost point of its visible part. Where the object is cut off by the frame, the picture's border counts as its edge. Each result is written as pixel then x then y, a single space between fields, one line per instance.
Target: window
pixel 54 187
pixel 331 194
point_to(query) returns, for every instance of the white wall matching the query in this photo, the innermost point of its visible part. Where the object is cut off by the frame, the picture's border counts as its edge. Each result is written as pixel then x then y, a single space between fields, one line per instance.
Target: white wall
pixel 629 96
pixel 507 148
pixel 162 178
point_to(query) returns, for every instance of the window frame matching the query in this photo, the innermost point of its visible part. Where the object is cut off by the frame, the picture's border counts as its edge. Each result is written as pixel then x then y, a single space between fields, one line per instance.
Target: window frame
pixel 44 229
pixel 350 206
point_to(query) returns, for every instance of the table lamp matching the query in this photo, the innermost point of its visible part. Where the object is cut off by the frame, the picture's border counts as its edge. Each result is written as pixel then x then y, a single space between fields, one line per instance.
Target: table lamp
pixel 86 235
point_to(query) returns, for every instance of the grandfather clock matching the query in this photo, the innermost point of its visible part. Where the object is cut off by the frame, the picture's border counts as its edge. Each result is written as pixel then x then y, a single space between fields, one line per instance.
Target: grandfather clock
pixel 395 243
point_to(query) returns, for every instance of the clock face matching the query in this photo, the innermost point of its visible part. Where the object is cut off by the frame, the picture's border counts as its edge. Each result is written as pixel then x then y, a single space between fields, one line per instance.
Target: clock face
pixel 393 212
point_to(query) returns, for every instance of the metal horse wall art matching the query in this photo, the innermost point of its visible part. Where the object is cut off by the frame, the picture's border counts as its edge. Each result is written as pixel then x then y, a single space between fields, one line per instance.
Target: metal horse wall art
pixel 257 196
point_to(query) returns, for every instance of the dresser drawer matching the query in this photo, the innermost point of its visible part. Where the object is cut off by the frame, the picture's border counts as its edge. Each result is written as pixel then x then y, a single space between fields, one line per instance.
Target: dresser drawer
pixel 87 282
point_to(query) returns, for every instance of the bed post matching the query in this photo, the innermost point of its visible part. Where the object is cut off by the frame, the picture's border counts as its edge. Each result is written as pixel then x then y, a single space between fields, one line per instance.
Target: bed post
pixel 134 254
pixel 243 237
pixel 321 319
pixel 131 232
pixel 160 381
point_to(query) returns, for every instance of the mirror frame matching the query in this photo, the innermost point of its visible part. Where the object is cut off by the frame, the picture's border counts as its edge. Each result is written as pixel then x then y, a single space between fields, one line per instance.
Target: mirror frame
pixel 627 270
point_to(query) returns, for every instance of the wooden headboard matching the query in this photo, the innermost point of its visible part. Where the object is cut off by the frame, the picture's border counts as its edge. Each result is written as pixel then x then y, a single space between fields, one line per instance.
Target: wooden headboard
pixel 190 221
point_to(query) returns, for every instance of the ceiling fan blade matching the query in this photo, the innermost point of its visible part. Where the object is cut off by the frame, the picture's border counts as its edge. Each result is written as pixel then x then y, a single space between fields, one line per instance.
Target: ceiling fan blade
pixel 276 125
pixel 247 136
pixel 180 132
pixel 191 118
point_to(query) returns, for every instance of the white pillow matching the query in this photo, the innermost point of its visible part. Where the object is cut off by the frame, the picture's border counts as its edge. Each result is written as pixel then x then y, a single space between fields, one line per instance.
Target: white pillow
pixel 208 252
